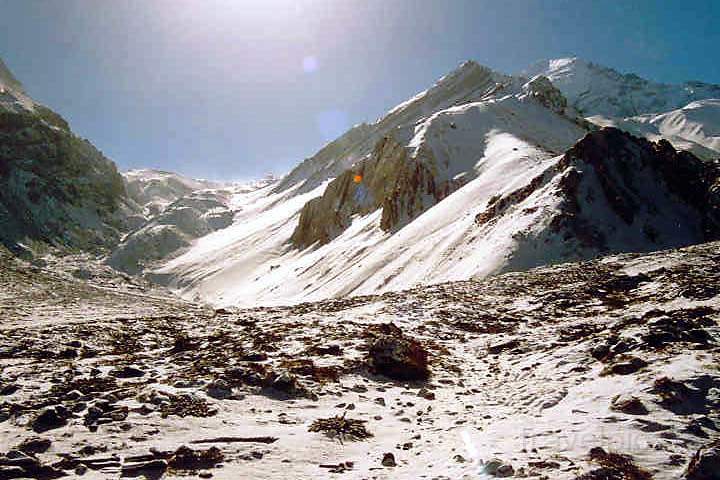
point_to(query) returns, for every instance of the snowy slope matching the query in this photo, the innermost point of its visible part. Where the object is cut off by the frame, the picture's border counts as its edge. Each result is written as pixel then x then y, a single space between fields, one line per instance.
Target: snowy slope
pixel 539 370
pixel 596 90
pixel 465 180
pixel 694 127
pixel 176 210
pixel 469 82
pixel 484 149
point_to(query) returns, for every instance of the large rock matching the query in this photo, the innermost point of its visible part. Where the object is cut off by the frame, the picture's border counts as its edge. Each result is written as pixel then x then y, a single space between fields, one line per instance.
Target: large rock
pixel 50 418
pixel 396 356
pixel 705 464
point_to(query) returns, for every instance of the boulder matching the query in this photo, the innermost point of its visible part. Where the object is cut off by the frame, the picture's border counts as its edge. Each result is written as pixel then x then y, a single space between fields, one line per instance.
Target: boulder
pixel 399 357
pixel 50 418
pixel 705 464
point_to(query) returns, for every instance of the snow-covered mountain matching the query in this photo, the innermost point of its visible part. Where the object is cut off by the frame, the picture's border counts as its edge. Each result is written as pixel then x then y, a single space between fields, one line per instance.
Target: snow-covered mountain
pixel 154 189
pixel 479 174
pixel 466 179
pixel 687 114
pixel 694 127
pixel 470 82
pixel 596 90
pixel 175 210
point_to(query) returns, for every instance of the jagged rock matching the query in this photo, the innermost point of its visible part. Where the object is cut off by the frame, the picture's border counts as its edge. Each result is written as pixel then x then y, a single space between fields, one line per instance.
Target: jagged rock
pixel 185 458
pixel 426 394
pixel 541 89
pixel 219 389
pixel 287 384
pixel 705 464
pixel 501 347
pixel 696 396
pixel 9 389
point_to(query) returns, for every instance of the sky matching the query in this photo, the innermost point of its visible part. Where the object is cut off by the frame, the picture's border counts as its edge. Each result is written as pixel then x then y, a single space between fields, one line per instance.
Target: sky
pixel 236 89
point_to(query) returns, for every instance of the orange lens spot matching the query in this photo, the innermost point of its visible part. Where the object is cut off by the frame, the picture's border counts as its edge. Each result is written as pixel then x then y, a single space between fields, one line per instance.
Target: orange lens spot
pixel 357 178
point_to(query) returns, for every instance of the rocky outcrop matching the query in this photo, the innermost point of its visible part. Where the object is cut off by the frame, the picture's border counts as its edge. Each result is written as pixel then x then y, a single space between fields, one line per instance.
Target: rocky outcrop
pixel 612 192
pixel 623 164
pixel 545 93
pixel 389 179
pixel 153 190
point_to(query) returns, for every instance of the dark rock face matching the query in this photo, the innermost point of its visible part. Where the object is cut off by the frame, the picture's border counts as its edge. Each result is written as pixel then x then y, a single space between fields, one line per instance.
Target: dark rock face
pixel 617 158
pixel 705 464
pixel 54 186
pixel 542 90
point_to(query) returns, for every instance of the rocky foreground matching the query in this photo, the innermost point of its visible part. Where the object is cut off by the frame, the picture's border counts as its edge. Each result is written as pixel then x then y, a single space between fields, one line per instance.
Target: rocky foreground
pixel 598 370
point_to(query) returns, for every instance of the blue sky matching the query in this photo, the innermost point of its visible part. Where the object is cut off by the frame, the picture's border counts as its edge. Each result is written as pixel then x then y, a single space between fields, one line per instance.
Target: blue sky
pixel 233 89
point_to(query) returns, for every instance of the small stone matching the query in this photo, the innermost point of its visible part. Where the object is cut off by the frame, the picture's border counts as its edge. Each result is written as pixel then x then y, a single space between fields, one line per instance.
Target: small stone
pixel 624 366
pixel 73 395
pixel 388 460
pixel 426 394
pixel 498 468
pixel 505 471
pixel 150 467
pixel 127 372
pixel 629 404
pixel 35 445
pixel 219 389
pixel 68 353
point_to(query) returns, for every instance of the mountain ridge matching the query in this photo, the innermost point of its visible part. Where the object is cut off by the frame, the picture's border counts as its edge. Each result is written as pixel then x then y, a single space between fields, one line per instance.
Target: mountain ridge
pixel 598 90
